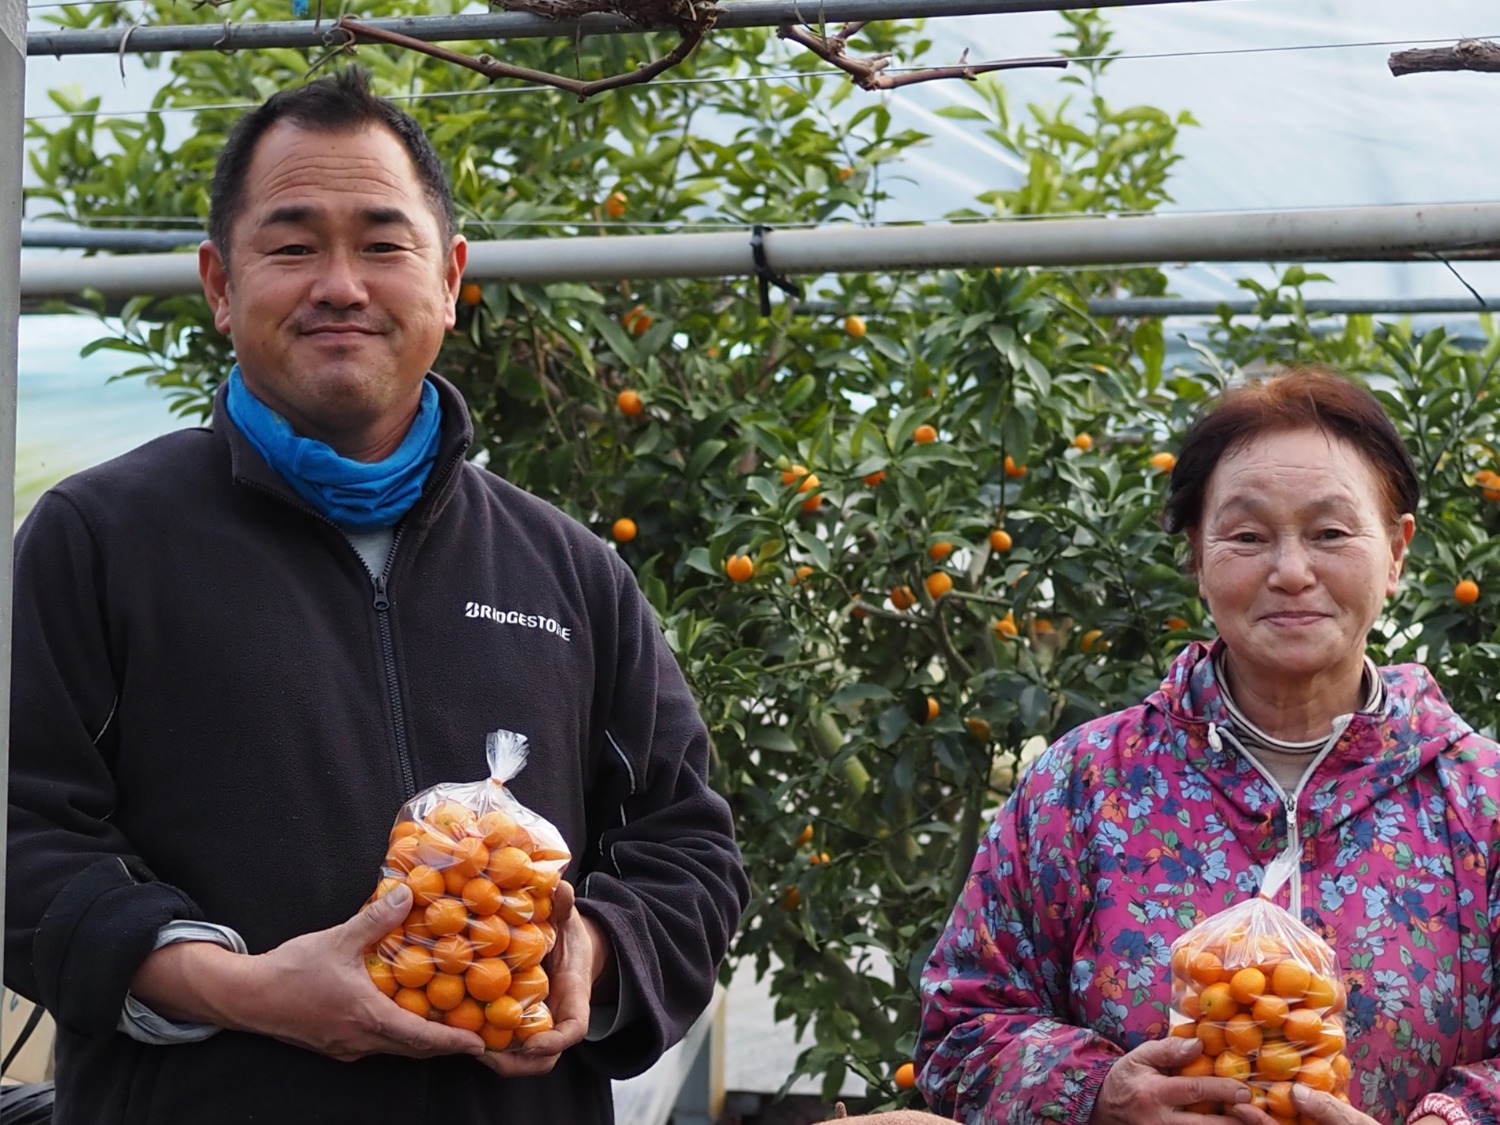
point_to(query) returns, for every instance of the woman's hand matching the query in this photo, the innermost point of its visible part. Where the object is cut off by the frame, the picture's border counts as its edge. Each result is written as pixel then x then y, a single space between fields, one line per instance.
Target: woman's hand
pixel 1141 1090
pixel 1325 1109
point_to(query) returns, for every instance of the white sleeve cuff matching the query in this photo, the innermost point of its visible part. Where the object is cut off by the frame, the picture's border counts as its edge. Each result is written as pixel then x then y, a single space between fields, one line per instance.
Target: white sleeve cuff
pixel 141 1023
pixel 603 1022
pixel 607 1018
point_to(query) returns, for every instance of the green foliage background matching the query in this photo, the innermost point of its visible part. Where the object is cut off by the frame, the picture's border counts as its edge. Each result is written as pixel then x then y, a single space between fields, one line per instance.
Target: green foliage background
pixel 816 689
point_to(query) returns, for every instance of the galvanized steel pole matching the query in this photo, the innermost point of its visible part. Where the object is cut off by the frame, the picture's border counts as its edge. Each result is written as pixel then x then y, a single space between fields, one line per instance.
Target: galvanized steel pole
pixel 521 25
pixel 115 241
pixel 1343 234
pixel 12 129
pixel 1135 307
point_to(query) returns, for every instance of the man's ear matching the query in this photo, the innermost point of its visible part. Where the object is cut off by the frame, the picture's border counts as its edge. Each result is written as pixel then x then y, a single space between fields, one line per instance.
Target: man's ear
pixel 453 275
pixel 215 277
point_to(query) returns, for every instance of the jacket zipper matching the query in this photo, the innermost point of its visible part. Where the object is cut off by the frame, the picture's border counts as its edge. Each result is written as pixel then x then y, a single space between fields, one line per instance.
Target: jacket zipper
pixel 382 604
pixel 388 642
pixel 388 653
pixel 1289 800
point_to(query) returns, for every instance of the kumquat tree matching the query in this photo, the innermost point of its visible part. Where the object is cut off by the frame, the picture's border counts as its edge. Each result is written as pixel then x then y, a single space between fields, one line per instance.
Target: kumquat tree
pixel 898 535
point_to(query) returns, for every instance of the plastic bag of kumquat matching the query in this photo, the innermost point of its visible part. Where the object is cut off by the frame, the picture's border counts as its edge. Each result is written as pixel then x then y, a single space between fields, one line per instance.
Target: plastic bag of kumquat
pixel 482 869
pixel 1265 996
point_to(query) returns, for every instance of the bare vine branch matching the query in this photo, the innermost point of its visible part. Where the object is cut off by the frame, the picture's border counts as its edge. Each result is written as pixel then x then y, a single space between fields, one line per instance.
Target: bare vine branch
pixel 1466 54
pixel 693 32
pixel 693 20
pixel 869 74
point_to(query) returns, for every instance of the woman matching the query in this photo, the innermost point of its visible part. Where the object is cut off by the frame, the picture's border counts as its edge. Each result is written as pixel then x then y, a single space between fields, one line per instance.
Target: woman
pixel 1047 998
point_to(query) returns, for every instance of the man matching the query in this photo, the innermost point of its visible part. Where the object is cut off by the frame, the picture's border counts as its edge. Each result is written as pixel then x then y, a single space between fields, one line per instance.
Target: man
pixel 240 649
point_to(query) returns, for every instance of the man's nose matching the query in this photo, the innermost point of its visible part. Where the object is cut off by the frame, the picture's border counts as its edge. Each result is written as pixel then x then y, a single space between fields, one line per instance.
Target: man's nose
pixel 340 283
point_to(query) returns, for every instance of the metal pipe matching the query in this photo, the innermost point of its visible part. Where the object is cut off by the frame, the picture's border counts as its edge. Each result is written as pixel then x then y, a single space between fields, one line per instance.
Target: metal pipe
pixel 136 241
pixel 1347 234
pixel 116 241
pixel 520 25
pixel 12 133
pixel 1136 307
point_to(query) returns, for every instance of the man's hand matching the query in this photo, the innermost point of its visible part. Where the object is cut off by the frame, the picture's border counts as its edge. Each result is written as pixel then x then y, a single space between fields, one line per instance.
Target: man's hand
pixel 580 956
pixel 312 991
pixel 1325 1109
pixel 1140 1090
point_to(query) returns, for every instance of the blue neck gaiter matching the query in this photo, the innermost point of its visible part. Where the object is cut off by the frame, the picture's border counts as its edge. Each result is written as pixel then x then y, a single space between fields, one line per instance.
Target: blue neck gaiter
pixel 353 494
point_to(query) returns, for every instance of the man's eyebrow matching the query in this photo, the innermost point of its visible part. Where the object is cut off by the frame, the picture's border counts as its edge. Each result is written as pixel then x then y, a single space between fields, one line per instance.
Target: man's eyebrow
pixel 386 216
pixel 290 215
pixel 299 214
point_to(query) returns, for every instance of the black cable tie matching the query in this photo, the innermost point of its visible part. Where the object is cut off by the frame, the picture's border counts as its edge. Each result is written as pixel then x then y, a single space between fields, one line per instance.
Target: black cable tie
pixel 763 271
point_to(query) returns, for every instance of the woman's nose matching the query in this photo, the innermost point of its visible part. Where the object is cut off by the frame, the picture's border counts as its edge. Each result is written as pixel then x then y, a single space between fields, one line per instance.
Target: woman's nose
pixel 1292 569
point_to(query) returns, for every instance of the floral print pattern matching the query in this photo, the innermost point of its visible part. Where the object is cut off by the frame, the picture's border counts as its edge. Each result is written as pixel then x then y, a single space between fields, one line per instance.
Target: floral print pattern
pixel 1135 827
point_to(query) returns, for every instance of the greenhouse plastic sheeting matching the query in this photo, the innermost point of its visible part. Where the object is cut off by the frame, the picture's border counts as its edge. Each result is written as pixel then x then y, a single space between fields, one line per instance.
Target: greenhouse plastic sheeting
pixel 1324 127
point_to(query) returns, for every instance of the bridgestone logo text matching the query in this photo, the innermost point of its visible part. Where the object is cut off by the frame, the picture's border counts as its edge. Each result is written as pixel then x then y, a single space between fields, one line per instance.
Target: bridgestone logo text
pixel 511 617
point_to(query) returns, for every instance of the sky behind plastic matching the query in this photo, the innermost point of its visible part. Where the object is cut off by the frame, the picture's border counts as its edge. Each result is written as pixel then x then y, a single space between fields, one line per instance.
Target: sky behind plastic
pixel 1306 128
pixel 1325 127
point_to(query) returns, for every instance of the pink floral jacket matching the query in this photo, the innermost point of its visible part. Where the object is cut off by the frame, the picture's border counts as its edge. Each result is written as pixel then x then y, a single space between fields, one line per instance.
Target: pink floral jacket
pixel 1134 827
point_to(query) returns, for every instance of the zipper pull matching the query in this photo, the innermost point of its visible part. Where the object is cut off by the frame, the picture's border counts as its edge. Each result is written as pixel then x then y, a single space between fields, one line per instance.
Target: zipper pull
pixel 382 603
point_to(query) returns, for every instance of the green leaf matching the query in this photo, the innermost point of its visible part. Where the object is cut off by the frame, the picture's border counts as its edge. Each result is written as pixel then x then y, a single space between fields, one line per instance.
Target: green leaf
pixel 775 739
pixel 854 693
pixel 798 393
pixel 891 724
pixel 1152 350
pixel 698 559
pixel 704 456
pixel 614 336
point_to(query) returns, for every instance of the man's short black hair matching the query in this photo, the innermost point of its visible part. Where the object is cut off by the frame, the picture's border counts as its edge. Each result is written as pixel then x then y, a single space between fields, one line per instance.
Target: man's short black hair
pixel 340 104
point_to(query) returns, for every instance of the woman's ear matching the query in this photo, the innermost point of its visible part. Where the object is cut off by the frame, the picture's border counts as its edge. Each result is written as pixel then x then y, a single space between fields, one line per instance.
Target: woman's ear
pixel 1406 527
pixel 1194 556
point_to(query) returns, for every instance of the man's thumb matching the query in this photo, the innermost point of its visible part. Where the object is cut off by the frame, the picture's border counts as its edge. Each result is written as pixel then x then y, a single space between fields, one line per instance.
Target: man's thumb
pixel 382 916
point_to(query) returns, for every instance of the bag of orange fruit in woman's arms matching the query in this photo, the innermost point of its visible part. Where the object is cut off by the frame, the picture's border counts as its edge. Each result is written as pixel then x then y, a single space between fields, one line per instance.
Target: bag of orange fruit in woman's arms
pixel 1265 996
pixel 482 869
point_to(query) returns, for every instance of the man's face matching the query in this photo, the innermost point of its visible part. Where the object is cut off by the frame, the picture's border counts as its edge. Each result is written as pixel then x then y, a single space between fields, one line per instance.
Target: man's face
pixel 339 285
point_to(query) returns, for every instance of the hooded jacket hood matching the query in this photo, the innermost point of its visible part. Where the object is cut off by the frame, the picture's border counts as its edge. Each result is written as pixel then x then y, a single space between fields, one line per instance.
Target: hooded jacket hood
pixel 1375 753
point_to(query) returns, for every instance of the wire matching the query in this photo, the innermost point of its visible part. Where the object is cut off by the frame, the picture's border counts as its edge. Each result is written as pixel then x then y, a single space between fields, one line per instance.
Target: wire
pixel 1465 283
pixel 783 77
pixel 1222 51
pixel 502 90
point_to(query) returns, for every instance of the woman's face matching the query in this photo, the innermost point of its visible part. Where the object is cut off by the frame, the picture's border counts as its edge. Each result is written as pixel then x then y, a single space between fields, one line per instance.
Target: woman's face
pixel 1296 556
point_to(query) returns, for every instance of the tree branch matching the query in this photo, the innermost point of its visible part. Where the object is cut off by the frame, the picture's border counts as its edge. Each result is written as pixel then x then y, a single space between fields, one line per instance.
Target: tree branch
pixel 868 73
pixel 693 33
pixel 945 640
pixel 1467 54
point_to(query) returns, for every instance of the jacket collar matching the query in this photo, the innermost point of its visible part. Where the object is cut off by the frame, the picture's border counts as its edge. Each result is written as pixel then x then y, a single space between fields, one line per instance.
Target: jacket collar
pixel 457 434
pixel 1375 753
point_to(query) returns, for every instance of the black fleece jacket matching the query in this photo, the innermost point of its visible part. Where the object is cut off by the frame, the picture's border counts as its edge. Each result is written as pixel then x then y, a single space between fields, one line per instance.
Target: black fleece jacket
pixel 218 710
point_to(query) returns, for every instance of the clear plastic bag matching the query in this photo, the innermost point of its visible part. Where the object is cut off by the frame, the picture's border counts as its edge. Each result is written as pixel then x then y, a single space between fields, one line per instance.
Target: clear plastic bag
pixel 482 869
pixel 1265 995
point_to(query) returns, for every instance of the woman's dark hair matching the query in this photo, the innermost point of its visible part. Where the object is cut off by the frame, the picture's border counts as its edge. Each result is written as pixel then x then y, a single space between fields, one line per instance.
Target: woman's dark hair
pixel 340 104
pixel 1296 398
